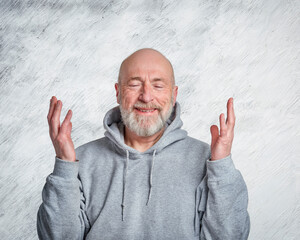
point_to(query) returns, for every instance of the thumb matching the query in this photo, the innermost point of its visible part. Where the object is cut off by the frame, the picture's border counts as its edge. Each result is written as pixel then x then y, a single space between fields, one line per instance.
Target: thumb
pixel 214 130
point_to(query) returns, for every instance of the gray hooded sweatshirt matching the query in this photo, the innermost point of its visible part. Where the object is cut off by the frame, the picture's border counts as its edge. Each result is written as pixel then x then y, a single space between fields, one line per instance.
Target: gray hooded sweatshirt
pixel 171 191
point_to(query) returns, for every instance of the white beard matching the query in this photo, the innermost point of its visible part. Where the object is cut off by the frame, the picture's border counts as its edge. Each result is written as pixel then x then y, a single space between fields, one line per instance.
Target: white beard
pixel 144 126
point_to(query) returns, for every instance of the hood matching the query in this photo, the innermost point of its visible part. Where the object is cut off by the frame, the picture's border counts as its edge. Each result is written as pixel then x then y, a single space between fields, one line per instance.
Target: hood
pixel 114 127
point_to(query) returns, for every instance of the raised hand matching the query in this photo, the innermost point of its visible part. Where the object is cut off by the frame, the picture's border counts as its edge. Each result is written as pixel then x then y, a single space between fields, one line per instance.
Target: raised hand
pixel 221 143
pixel 61 134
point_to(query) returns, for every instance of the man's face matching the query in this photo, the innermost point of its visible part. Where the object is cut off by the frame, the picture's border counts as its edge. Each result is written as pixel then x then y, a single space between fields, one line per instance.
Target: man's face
pixel 146 93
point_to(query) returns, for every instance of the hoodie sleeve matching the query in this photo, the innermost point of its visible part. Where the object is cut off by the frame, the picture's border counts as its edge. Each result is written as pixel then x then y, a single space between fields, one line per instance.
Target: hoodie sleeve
pixel 62 213
pixel 223 201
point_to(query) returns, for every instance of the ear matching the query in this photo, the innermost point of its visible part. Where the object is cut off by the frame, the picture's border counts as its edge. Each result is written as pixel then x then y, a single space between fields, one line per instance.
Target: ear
pixel 117 92
pixel 175 91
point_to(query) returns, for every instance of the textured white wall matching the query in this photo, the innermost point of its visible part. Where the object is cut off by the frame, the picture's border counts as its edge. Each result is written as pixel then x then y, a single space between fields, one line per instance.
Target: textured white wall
pixel 73 49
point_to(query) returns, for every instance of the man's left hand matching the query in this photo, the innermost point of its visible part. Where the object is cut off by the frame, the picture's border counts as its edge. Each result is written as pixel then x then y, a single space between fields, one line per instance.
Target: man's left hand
pixel 221 143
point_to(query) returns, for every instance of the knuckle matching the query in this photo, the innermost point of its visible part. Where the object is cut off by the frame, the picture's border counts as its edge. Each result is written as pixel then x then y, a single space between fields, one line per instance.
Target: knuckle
pixel 60 139
pixel 52 121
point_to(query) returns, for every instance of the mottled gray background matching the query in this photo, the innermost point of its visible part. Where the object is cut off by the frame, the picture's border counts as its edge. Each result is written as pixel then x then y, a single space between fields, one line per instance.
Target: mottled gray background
pixel 73 49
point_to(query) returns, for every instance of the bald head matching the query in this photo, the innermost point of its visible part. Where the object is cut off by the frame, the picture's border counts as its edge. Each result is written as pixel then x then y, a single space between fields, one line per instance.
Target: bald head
pixel 146 58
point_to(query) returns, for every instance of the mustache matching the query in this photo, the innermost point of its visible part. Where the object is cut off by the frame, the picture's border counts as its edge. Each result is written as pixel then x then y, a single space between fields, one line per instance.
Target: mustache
pixel 143 105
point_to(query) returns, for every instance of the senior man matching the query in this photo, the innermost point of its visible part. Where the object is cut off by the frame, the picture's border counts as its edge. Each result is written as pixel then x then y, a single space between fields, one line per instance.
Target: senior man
pixel 146 179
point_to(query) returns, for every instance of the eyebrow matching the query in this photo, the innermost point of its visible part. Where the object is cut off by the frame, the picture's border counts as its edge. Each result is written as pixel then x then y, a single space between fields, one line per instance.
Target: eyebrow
pixel 135 78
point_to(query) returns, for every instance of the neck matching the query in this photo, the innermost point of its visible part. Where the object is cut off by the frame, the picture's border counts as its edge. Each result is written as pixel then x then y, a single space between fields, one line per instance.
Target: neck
pixel 139 143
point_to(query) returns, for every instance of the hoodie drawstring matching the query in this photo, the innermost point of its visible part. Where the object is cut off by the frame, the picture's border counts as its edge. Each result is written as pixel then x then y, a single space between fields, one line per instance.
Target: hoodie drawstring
pixel 124 180
pixel 124 183
pixel 150 177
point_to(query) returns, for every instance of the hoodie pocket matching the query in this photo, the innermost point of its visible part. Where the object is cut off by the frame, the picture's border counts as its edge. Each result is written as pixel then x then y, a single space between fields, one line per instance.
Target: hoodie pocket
pixel 200 204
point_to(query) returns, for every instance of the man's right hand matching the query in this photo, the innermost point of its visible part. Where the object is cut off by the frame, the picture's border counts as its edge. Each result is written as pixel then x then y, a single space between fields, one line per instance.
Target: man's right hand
pixel 61 134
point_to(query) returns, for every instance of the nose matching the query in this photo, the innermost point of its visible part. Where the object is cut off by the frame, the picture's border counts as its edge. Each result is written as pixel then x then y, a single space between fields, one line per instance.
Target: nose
pixel 146 94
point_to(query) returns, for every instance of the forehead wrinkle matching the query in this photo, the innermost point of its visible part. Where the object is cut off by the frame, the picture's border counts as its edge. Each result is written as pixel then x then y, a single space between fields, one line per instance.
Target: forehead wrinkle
pixel 145 73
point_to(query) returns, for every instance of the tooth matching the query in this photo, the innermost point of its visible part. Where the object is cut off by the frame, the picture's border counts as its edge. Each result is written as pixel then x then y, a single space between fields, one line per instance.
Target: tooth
pixel 142 110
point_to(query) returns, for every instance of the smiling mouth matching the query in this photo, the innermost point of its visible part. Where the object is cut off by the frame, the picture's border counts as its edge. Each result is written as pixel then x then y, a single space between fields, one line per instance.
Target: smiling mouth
pixel 146 110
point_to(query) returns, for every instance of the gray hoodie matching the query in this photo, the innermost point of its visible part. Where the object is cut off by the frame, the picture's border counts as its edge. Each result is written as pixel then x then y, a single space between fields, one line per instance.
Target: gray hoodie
pixel 171 191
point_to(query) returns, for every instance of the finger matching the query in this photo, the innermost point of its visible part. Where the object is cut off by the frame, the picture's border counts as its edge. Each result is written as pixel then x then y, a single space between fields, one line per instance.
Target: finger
pixel 53 101
pixel 214 134
pixel 230 121
pixel 223 127
pixel 69 129
pixel 65 123
pixel 55 120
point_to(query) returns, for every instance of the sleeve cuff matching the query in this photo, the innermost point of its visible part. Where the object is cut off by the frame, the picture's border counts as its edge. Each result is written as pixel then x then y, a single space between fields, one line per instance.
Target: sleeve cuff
pixel 65 169
pixel 219 168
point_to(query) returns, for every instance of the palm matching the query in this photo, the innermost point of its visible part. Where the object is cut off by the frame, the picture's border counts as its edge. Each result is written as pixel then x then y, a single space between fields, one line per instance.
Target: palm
pixel 221 142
